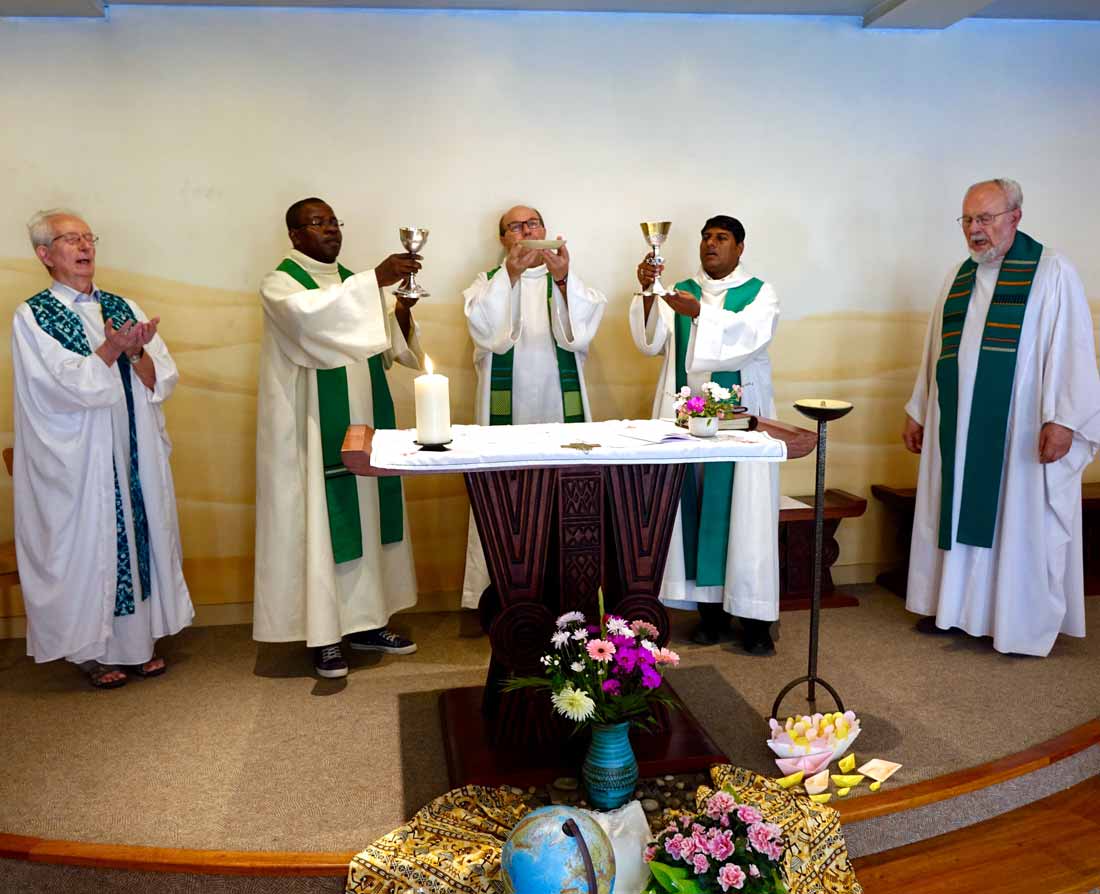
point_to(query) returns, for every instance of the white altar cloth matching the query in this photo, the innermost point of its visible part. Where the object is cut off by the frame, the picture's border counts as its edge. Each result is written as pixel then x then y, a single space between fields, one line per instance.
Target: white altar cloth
pixel 483 448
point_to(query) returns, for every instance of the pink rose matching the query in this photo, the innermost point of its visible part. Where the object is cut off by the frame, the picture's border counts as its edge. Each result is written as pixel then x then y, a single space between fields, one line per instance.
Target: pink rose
pixel 731 876
pixel 687 848
pixel 721 845
pixel 753 871
pixel 650 853
pixel 719 803
pixel 760 838
pixel 749 815
pixel 701 863
pixel 673 844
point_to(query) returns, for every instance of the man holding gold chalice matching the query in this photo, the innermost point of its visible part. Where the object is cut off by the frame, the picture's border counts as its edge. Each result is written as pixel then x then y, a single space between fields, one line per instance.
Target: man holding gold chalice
pixel 333 556
pixel 716 327
pixel 531 319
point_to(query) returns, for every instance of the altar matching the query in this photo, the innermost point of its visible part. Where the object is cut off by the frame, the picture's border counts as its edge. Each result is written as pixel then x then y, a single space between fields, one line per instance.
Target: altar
pixel 563 510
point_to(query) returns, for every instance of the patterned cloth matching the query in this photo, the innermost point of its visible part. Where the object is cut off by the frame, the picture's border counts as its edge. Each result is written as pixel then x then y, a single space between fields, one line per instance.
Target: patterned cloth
pixel 453 845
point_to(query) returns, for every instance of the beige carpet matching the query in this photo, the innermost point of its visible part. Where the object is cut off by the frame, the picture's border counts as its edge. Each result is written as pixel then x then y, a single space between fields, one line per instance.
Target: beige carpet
pixel 239 747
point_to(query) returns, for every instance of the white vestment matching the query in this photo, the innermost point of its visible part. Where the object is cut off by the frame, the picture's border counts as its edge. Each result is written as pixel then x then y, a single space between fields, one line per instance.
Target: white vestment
pixel 301 593
pixel 1027 588
pixel 502 316
pixel 722 340
pixel 71 426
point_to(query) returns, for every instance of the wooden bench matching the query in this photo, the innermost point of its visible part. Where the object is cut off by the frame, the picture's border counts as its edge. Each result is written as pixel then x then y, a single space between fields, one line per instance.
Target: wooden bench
pixel 796 550
pixel 902 502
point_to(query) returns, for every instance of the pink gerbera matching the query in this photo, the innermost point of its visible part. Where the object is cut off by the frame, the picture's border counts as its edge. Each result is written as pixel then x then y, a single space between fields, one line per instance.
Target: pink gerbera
pixel 600 650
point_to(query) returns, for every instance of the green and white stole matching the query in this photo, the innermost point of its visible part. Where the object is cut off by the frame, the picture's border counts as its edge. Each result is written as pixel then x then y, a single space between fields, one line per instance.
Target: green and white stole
pixel 341 490
pixel 65 327
pixel 500 378
pixel 985 442
pixel 705 518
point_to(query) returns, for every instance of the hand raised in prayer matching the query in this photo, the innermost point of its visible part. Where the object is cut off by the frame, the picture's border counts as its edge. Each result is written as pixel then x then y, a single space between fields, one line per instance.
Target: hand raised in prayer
pixel 647 273
pixel 683 303
pixel 118 340
pixel 1054 442
pixel 146 331
pixel 396 268
pixel 912 436
pixel 521 258
pixel 557 262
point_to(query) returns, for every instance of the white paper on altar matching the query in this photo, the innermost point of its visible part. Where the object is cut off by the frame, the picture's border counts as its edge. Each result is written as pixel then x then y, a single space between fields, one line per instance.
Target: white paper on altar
pixel 792 503
pixel 614 442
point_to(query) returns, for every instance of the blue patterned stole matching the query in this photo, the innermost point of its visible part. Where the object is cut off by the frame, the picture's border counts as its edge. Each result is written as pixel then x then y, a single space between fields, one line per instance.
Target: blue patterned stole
pixel 64 326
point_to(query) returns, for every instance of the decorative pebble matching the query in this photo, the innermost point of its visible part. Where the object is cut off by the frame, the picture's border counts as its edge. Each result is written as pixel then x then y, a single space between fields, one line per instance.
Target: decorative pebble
pixel 515 790
pixel 675 802
pixel 638 793
pixel 669 778
pixel 531 790
pixel 583 803
pixel 650 806
pixel 680 786
pixel 566 783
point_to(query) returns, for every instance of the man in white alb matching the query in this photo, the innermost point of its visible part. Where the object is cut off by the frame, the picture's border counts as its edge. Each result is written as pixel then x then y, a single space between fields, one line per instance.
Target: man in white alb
pixel 531 319
pixel 1009 395
pixel 716 326
pixel 96 533
pixel 333 556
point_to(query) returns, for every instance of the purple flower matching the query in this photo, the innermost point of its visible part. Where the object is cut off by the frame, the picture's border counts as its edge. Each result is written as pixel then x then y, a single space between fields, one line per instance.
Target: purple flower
pixel 612 687
pixel 694 404
pixel 650 678
pixel 673 845
pixel 626 659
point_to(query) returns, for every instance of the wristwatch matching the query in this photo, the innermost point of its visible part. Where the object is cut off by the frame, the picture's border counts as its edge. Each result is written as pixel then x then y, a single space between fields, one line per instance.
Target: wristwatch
pixel 134 358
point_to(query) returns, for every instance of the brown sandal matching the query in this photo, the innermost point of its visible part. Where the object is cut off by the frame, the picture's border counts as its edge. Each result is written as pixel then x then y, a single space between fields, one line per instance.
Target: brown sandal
pixel 97 676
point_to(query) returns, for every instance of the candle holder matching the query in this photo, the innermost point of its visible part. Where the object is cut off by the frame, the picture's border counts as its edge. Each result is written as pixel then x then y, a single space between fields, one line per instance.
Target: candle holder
pixel 822 411
pixel 442 446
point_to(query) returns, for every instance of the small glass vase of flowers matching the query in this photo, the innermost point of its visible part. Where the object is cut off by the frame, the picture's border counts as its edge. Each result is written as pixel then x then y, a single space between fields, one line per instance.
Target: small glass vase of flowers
pixel 726 847
pixel 607 677
pixel 701 413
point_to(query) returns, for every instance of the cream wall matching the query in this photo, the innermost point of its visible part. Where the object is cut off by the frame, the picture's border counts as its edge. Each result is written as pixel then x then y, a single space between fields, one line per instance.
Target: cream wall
pixel 184 134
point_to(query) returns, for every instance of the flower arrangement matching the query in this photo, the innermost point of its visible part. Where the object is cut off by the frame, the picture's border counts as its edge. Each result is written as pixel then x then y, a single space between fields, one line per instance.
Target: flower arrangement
pixel 727 847
pixel 606 674
pixel 713 401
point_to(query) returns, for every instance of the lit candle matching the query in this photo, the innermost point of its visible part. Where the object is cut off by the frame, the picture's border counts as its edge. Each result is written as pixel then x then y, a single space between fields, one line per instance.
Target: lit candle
pixel 433 407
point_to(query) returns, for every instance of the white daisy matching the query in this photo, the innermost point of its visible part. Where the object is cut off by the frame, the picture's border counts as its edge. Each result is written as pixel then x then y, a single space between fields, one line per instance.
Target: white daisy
pixel 619 627
pixel 573 703
pixel 569 618
pixel 560 638
pixel 577 666
pixel 580 634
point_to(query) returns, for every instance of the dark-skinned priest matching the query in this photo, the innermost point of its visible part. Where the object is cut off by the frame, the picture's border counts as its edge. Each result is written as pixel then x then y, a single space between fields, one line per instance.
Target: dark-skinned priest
pixel 1009 396
pixel 716 326
pixel 333 557
pixel 531 319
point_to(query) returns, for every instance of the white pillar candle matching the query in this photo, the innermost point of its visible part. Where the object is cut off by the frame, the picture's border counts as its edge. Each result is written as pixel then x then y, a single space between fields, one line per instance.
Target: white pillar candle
pixel 433 407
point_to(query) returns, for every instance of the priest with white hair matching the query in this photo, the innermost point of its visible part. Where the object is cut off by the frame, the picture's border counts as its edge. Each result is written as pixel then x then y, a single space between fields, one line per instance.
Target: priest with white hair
pixel 717 326
pixel 1009 395
pixel 96 534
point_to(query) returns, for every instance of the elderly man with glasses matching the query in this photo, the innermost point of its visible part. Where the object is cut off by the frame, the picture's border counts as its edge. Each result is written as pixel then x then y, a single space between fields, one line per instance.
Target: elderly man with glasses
pixel 96 532
pixel 531 319
pixel 333 556
pixel 1009 394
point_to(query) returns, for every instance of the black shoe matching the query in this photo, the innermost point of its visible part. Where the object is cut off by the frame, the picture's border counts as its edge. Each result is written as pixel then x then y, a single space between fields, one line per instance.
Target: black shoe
pixel 381 640
pixel 329 662
pixel 705 636
pixel 757 639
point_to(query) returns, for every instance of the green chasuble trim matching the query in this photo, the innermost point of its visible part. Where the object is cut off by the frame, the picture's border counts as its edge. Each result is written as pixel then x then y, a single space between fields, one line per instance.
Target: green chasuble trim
pixel 705 521
pixel 985 441
pixel 341 487
pixel 500 377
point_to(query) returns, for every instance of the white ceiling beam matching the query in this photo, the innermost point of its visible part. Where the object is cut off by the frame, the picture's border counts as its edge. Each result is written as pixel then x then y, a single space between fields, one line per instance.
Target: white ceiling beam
pixel 921 13
pixel 87 9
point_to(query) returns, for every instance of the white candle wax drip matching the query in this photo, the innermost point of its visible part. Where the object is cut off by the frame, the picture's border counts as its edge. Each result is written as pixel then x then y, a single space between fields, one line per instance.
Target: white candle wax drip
pixel 433 407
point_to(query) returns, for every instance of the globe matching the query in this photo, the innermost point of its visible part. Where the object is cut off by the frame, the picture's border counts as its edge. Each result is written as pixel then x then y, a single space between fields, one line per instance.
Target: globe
pixel 540 858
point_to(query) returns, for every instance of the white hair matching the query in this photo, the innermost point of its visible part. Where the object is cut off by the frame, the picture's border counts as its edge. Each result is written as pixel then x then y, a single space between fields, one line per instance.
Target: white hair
pixel 1011 189
pixel 39 228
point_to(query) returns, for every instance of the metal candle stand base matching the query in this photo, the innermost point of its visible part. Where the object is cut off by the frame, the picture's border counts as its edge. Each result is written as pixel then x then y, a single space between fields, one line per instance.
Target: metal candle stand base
pixel 822 411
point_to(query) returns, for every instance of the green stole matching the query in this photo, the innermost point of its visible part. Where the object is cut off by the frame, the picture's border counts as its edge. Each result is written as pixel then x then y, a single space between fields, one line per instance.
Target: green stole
pixel 985 444
pixel 341 490
pixel 500 378
pixel 705 522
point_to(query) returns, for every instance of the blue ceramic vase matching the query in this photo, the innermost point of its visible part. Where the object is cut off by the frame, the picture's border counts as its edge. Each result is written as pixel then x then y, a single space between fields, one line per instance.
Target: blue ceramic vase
pixel 610 771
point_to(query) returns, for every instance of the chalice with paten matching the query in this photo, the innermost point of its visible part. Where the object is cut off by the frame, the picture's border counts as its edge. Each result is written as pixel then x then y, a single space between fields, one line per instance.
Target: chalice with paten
pixel 655 232
pixel 413 238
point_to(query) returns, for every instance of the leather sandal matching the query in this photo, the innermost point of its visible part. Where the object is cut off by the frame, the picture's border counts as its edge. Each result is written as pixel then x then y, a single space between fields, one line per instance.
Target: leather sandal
pixel 97 676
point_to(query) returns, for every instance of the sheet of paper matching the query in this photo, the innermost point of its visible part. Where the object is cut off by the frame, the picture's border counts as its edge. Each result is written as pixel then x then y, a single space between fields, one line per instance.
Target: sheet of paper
pixel 792 503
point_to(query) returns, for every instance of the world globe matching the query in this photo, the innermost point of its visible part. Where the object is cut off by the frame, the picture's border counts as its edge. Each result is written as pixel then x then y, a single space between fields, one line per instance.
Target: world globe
pixel 539 856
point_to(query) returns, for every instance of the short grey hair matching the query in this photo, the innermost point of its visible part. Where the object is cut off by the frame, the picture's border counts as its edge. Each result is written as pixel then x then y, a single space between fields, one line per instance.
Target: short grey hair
pixel 1011 189
pixel 39 228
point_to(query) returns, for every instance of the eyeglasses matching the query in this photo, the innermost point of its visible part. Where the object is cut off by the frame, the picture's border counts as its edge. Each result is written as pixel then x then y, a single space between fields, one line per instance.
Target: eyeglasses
pixel 319 222
pixel 982 220
pixel 76 238
pixel 519 225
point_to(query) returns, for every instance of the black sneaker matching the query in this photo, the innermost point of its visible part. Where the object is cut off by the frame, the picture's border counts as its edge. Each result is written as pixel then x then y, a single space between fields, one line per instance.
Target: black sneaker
pixel 704 635
pixel 757 638
pixel 329 662
pixel 381 640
